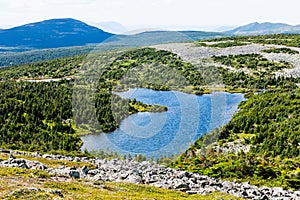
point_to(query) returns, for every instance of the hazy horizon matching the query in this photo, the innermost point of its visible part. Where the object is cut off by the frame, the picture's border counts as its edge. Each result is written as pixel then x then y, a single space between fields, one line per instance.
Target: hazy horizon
pixel 162 14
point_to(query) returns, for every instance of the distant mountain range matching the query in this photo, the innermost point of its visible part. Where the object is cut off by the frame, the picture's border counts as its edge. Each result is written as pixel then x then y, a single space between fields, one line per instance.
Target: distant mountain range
pixel 52 33
pixel 264 28
pixel 159 37
pixel 69 32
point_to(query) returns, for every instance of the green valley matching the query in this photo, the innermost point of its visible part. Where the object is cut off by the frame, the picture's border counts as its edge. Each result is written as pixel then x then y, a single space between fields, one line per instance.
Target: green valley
pixel 260 143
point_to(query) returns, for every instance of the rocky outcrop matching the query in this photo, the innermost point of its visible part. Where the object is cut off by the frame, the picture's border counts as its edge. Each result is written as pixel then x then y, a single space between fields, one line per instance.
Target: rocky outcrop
pixel 230 147
pixel 152 174
pixel 22 163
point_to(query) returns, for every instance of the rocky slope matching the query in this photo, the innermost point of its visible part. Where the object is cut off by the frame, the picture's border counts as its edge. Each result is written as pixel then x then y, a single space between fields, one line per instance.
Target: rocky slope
pixel 149 173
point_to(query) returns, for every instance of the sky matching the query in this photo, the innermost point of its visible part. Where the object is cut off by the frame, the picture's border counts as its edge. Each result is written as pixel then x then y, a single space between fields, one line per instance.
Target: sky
pixel 168 14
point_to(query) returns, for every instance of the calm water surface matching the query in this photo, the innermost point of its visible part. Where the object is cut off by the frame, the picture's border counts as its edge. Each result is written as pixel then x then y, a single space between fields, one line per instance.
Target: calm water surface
pixel 167 133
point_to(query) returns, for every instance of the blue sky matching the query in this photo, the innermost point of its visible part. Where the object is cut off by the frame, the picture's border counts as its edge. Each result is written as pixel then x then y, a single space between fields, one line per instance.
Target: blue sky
pixel 172 14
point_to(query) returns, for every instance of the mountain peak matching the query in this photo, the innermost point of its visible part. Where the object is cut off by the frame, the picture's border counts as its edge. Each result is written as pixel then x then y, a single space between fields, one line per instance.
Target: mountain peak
pixel 54 21
pixel 257 28
pixel 60 23
pixel 60 20
pixel 53 33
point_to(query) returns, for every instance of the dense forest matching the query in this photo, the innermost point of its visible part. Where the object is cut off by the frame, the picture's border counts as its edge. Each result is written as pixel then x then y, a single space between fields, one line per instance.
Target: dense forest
pixel 35 116
pixel 56 68
pixel 22 58
pixel 161 58
pixel 273 119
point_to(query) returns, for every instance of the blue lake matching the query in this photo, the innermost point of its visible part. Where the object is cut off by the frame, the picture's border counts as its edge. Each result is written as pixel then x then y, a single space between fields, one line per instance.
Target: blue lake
pixel 167 133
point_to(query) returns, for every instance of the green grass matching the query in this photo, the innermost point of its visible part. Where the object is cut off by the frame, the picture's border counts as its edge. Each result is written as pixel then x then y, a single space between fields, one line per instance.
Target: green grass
pixel 25 173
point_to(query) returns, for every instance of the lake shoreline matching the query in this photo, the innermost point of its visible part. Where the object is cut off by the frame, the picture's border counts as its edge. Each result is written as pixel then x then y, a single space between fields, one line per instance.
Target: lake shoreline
pixel 187 118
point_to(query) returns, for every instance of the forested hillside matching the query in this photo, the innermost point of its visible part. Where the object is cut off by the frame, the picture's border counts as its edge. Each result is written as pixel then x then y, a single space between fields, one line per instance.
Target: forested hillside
pixel 34 116
pixel 57 68
pixel 261 142
pixel 21 58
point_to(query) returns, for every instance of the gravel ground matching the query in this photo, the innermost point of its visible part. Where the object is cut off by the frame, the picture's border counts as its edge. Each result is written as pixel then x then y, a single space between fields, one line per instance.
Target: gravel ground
pixel 200 55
